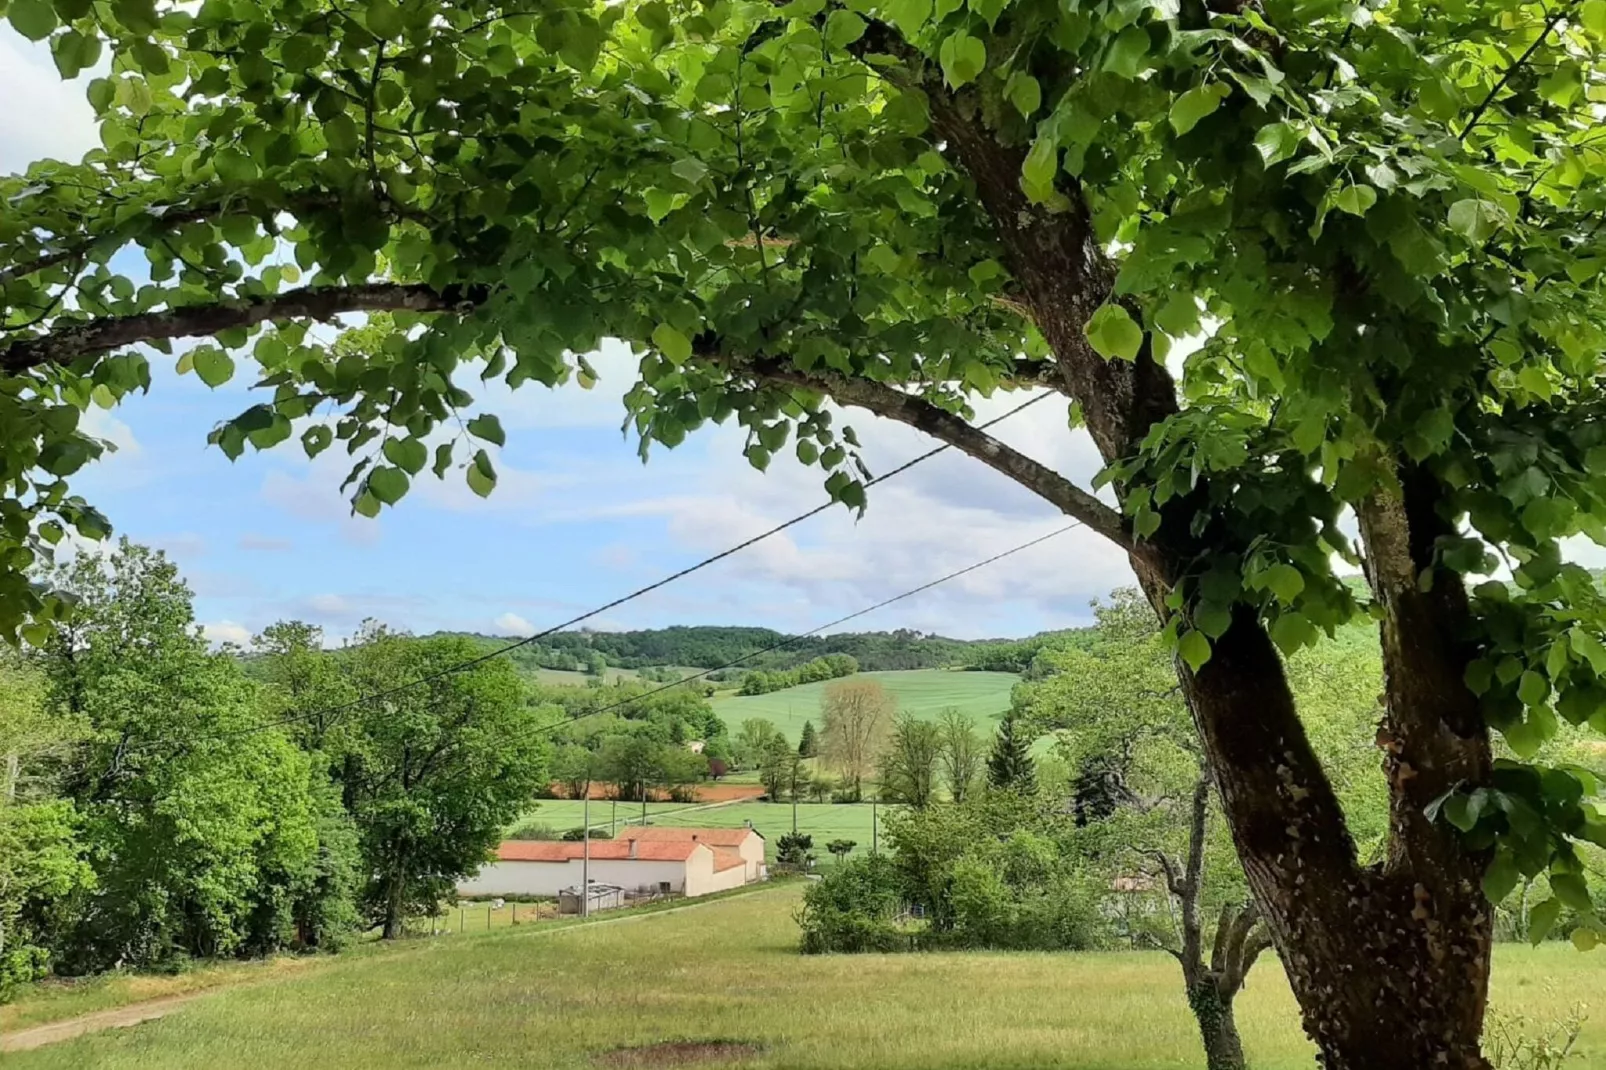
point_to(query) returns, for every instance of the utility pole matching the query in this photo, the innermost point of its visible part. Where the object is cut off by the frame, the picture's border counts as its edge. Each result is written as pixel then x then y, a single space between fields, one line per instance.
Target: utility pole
pixel 613 817
pixel 585 856
pixel 875 829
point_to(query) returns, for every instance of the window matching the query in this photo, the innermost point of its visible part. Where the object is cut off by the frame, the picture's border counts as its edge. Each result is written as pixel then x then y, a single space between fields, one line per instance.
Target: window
pixel 663 887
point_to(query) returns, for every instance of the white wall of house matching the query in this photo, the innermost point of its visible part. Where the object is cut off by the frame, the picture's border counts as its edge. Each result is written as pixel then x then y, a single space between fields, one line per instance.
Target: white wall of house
pixel 752 852
pixel 549 878
pixel 702 878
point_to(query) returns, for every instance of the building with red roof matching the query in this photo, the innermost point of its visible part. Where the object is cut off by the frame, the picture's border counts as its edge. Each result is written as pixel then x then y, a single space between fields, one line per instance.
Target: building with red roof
pixel 642 861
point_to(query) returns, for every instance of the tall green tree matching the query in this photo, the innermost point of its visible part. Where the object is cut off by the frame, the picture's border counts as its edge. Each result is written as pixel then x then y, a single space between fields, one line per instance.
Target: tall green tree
pixel 808 743
pixel 752 740
pixel 436 771
pixel 775 763
pixel 910 767
pixel 1380 221
pixel 960 756
pixel 1010 766
pixel 203 826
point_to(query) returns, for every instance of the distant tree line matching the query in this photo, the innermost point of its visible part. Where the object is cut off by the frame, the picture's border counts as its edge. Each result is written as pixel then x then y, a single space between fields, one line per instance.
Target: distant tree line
pixel 829 667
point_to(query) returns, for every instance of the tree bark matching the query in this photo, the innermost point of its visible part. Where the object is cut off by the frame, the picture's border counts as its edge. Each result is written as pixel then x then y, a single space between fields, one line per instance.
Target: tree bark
pixel 1217 1027
pixel 1389 964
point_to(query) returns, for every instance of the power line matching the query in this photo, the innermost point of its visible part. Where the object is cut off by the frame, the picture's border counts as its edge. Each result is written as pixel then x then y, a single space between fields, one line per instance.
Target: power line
pixel 814 631
pixel 582 618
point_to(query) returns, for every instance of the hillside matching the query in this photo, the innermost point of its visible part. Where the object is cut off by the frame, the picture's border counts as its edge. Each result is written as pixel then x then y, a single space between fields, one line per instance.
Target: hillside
pixel 924 693
pixel 713 646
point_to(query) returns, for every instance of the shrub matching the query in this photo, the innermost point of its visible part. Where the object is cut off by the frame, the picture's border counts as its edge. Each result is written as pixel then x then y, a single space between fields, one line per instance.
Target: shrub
pixel 576 835
pixel 852 909
pixel 533 830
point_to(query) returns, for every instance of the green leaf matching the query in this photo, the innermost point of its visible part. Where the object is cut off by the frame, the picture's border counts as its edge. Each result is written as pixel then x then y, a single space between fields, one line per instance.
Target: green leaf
pixel 1585 938
pixel 1533 688
pixel 843 28
pixel 1475 219
pixel 1285 581
pixel 1113 334
pixel 1196 104
pixel 1291 631
pixel 408 454
pixel 675 346
pixel 1023 91
pixel 366 505
pixel 910 15
pixel 1193 648
pixel 963 58
pixel 482 475
pixel 1541 919
pixel 1590 648
pixel 212 365
pixel 1572 891
pixel 1593 16
pixel 1276 142
pixel 1125 57
pixel 1501 877
pixel 1356 199
pixel 384 19
pixel 690 168
pixel 489 428
pixel 387 484
pixel 316 439
pixel 74 52
pixel 1041 166
pixel 1461 810
pixel 34 19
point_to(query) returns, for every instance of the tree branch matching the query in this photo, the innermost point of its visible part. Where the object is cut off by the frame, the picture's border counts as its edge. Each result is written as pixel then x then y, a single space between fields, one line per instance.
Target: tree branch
pixel 67 343
pixel 1520 62
pixel 917 412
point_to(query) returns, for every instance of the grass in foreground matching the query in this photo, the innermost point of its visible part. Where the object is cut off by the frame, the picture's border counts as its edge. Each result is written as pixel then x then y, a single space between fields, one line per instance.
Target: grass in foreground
pixel 983 696
pixel 729 971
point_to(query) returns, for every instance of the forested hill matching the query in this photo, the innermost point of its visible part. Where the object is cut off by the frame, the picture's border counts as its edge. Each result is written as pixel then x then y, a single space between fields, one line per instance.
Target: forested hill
pixel 710 646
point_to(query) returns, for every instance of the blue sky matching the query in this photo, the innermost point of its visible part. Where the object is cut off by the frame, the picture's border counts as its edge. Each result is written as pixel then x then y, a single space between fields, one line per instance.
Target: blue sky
pixel 576 519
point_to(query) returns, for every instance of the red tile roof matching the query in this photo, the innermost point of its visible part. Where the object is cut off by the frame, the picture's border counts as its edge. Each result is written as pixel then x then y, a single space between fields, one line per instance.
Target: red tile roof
pixel 610 850
pixel 725 858
pixel 665 834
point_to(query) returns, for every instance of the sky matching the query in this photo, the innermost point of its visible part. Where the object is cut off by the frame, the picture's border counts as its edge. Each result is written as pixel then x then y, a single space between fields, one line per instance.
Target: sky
pixel 576 520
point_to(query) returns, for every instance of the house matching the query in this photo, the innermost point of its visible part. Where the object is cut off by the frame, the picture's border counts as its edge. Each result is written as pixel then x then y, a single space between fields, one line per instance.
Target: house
pixel 684 866
pixel 746 842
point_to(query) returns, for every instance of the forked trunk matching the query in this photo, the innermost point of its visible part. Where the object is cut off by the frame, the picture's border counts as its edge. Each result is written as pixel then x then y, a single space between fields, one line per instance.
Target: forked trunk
pixel 1217 1028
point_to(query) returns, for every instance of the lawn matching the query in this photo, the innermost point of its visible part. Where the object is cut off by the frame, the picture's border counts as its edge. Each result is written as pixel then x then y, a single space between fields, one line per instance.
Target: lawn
pixel 561 815
pixel 923 692
pixel 729 972
pixel 824 821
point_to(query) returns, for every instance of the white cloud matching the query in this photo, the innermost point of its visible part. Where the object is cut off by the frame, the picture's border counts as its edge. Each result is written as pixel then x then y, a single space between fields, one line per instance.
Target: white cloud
pixel 329 604
pixel 56 122
pixel 513 624
pixel 180 546
pixel 317 497
pixel 225 631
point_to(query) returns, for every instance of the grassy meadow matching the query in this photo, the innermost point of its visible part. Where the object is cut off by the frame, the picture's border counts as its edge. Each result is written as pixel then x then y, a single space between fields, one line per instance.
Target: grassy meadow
pixel 824 821
pixel 729 972
pixel 922 692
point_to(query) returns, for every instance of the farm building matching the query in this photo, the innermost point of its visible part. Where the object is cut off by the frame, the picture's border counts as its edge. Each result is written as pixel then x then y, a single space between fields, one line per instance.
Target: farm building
pixel 746 842
pixel 685 866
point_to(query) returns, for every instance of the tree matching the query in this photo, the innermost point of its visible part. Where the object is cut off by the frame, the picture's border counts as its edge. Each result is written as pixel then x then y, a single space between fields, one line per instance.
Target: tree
pixel 1389 263
pixel 840 849
pixel 575 767
pixel 961 753
pixel 207 834
pixel 855 717
pixel 1010 766
pixel 808 744
pixel 1120 719
pixel 794 849
pixel 752 740
pixel 596 664
pixel 910 764
pixel 436 771
pixel 775 765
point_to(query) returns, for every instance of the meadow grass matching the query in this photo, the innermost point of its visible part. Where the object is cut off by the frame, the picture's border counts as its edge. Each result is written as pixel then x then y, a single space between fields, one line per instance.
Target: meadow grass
pixel 730 972
pixel 824 821
pixel 561 815
pixel 982 696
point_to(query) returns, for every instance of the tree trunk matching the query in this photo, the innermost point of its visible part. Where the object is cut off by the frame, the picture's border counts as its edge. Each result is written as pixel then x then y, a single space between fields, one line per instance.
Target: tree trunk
pixel 1217 1027
pixel 1389 963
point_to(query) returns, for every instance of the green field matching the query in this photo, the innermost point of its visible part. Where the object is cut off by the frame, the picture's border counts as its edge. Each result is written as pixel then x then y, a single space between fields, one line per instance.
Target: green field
pixel 564 814
pixel 922 692
pixel 824 821
pixel 729 972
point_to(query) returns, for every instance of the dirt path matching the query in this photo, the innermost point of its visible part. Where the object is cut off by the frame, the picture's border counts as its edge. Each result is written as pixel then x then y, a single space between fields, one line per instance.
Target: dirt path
pixel 134 1013
pixel 116 1018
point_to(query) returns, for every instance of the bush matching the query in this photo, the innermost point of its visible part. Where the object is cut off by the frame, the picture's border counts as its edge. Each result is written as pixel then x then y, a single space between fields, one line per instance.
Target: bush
pixel 852 909
pixel 794 849
pixel 533 830
pixel 576 835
